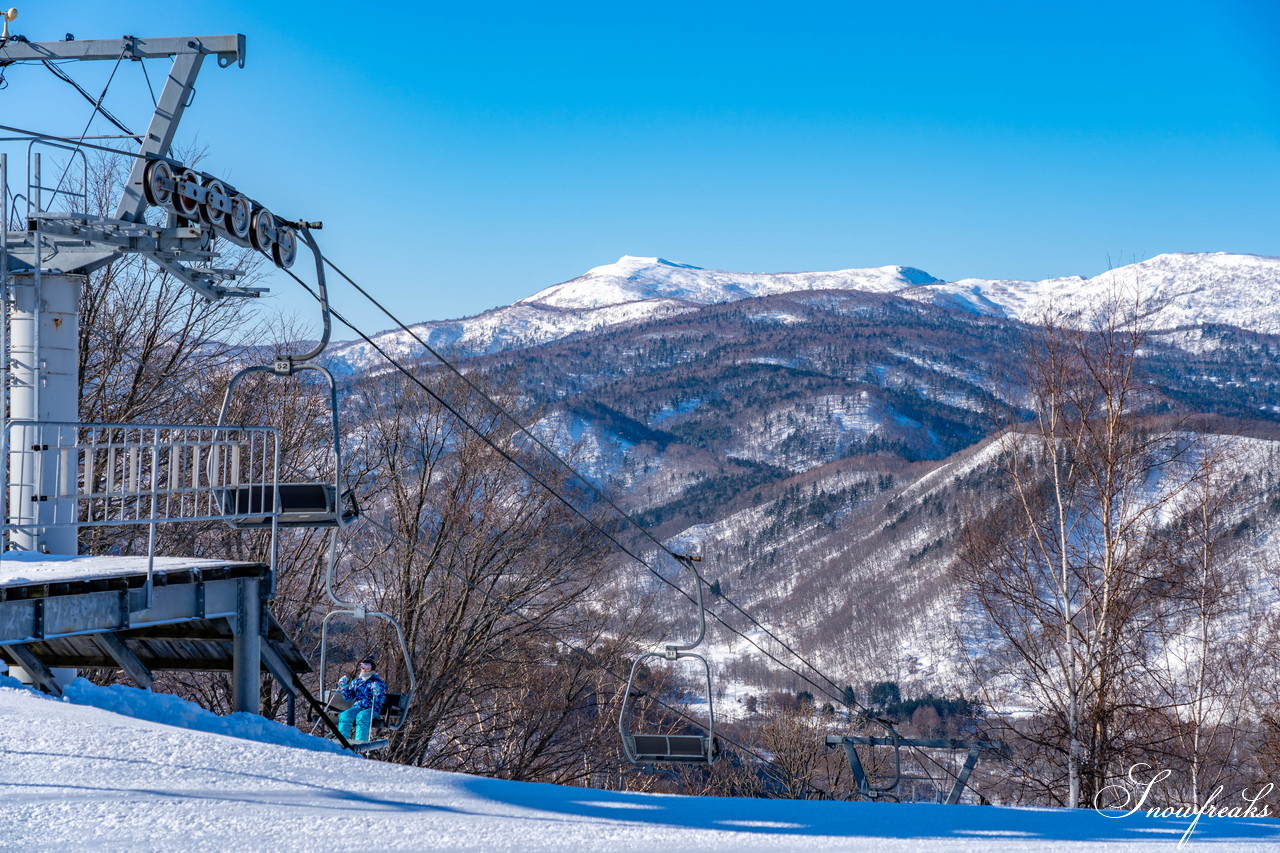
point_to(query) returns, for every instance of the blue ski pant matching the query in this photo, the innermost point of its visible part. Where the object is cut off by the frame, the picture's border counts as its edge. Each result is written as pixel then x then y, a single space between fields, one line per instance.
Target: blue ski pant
pixel 360 717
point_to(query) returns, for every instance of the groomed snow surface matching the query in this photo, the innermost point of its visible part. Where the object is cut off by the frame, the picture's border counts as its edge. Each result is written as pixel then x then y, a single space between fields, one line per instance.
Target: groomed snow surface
pixel 99 771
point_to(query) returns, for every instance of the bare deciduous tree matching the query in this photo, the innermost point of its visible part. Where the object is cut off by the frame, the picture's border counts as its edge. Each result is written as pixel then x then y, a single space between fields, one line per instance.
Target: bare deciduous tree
pixel 1067 568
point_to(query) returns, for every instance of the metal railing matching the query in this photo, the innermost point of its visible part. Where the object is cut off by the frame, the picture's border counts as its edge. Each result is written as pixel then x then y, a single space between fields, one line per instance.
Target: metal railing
pixel 37 192
pixel 74 475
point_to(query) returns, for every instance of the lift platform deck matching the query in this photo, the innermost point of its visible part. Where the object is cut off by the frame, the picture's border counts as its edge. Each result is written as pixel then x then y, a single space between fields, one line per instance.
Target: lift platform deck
pixel 87 612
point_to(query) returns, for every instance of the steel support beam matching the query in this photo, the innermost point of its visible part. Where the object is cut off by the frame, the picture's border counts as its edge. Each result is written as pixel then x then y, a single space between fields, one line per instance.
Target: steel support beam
pixel 278 668
pixel 276 665
pixel 855 765
pixel 40 674
pixel 128 661
pixel 164 124
pixel 246 672
pixel 228 48
pixel 962 778
pixel 926 743
pixel 975 748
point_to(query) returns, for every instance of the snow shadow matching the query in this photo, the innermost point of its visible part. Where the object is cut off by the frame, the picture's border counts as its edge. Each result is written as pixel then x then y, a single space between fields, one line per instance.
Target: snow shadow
pixel 869 820
pixel 280 790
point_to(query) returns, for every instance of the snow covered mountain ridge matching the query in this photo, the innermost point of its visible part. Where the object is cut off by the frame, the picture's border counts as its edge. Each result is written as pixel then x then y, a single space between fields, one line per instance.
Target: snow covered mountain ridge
pixel 633 279
pixel 1183 289
pixel 1179 289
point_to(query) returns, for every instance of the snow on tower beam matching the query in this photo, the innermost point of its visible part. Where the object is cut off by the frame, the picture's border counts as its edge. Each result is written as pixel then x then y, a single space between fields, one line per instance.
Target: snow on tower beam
pixel 207 616
pixel 185 590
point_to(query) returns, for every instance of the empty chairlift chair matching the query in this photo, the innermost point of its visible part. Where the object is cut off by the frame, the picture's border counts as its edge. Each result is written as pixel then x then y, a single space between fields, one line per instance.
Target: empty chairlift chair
pixel 261 502
pixel 645 749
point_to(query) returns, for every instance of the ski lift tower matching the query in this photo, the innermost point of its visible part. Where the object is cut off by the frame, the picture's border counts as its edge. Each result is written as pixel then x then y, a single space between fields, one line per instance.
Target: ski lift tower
pixel 44 264
pixel 63 474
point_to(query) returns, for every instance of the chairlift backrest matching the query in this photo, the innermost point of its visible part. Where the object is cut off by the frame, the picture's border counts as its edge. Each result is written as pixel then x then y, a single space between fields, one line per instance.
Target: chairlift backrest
pixel 651 749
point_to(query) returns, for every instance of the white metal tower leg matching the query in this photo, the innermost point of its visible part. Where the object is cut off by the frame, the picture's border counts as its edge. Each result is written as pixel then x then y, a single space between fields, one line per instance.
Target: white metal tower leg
pixel 246 673
pixel 44 386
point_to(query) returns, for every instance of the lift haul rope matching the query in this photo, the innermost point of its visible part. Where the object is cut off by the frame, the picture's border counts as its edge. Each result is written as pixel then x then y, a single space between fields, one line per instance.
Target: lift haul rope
pixel 563 463
pixel 585 655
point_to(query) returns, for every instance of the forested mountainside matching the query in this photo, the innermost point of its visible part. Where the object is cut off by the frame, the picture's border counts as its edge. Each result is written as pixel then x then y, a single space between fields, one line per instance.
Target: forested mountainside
pixel 819 437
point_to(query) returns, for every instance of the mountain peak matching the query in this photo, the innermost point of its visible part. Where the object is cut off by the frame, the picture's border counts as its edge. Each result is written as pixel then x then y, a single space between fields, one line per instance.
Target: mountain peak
pixel 632 264
pixel 634 279
pixel 1189 289
pixel 1179 289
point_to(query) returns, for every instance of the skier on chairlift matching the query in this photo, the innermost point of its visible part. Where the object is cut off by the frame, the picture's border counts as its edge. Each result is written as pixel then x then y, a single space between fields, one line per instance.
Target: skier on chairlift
pixel 366 693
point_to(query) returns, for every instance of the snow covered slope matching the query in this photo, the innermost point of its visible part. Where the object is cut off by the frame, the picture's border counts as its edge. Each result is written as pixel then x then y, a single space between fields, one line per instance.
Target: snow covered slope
pixel 83 778
pixel 1184 290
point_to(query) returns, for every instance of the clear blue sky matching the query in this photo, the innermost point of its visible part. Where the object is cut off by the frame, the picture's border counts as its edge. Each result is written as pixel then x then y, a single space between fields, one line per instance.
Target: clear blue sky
pixel 463 156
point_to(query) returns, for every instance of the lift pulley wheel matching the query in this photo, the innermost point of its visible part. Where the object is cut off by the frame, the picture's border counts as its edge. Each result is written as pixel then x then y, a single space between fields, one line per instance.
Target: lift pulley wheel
pixel 187 195
pixel 240 218
pixel 157 183
pixel 263 233
pixel 285 250
pixel 217 203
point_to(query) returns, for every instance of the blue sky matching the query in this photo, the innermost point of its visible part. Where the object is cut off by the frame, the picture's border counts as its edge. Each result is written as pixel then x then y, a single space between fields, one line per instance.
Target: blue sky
pixel 462 158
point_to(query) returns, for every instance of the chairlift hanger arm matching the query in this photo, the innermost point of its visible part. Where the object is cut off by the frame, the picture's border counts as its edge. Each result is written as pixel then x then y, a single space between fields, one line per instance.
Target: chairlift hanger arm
pixel 228 48
pixel 673 650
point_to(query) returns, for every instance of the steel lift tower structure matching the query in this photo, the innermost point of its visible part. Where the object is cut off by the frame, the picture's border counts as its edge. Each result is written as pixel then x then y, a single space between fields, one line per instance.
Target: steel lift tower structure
pixel 63 474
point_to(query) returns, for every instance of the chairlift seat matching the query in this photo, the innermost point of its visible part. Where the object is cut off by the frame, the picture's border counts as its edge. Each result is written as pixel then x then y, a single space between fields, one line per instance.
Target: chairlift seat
pixel 390 717
pixel 312 505
pixel 684 749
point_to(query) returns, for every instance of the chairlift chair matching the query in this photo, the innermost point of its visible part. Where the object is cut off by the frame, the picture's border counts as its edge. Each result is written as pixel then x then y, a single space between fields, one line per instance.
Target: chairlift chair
pixel 876 790
pixel 390 719
pixel 393 713
pixel 647 749
pixel 317 505
pixel 392 716
pixel 643 749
